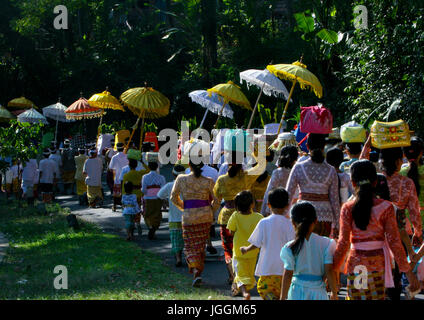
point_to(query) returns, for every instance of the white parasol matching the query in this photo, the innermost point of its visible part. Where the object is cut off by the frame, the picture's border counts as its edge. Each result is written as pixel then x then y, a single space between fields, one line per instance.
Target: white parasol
pixel 211 103
pixel 32 116
pixel 267 82
pixel 56 112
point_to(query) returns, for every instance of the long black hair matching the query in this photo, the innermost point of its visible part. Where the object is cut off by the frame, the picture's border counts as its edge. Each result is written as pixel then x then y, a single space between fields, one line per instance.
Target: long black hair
pixel 302 214
pixel 235 168
pixel 390 157
pixel 288 156
pixel 364 175
pixel 316 144
pixel 412 153
pixel 196 168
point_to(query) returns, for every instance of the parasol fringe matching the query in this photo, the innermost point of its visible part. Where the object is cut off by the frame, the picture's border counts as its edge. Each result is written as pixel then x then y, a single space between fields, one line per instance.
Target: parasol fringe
pixel 212 106
pixel 229 99
pixel 290 77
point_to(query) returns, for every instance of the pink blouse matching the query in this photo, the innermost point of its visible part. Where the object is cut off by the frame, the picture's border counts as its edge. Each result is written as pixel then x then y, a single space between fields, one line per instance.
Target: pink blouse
pixel 404 195
pixel 382 226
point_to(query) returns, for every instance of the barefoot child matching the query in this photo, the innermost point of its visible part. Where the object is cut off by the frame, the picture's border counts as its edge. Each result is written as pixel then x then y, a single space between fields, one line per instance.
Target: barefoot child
pixel 307 259
pixel 241 224
pixel 270 235
pixel 131 208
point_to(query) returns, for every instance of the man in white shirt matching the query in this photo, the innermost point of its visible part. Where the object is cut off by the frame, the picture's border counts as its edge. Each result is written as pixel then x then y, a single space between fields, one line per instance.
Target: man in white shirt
pixel 56 157
pixel 93 168
pixel 29 173
pixel 48 172
pixel 117 163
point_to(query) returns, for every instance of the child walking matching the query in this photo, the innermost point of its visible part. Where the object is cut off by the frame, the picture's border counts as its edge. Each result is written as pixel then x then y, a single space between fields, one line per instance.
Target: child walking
pixel 241 225
pixel 270 235
pixel 174 217
pixel 307 259
pixel 130 209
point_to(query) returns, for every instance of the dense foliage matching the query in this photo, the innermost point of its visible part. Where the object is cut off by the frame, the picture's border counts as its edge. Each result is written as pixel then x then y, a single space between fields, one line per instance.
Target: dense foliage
pixel 178 46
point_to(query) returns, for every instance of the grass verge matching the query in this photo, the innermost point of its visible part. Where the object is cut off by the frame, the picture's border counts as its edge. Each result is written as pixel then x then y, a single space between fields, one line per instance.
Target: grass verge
pixel 100 265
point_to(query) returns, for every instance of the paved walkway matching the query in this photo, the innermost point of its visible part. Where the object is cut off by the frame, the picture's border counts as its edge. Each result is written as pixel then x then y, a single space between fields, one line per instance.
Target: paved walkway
pixel 4 245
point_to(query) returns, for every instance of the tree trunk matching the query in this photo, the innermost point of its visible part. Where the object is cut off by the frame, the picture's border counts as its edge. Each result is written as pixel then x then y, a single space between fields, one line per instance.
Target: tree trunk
pixel 208 18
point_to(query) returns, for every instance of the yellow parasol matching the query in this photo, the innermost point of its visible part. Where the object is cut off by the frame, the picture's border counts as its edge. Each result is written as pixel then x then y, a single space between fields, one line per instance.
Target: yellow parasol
pixel 145 102
pixel 21 102
pixel 5 115
pixel 229 92
pixel 296 72
pixel 104 100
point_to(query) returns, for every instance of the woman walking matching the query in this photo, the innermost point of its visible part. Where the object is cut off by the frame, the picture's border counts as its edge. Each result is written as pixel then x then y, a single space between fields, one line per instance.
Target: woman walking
pixel 193 194
pixel 368 225
pixel 319 184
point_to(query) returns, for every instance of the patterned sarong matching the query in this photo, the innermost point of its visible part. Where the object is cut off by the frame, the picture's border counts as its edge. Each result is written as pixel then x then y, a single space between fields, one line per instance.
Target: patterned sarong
pixel 94 193
pixel 269 287
pixel 375 287
pixel 227 243
pixel 195 237
pixel 81 187
pixel 176 235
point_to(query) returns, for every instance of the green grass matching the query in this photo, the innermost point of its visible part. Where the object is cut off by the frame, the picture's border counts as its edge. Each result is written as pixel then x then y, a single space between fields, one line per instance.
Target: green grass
pixel 100 265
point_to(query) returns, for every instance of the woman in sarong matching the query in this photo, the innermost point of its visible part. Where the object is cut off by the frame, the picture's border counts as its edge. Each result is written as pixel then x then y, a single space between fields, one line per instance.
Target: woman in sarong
pixel 368 225
pixel 318 183
pixel 193 194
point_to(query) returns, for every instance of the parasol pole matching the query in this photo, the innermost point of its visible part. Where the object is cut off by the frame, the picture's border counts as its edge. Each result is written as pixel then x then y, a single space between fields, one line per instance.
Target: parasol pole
pixel 256 106
pixel 219 115
pixel 288 100
pixel 141 133
pixel 132 133
pixel 204 117
pixel 55 134
pixel 287 106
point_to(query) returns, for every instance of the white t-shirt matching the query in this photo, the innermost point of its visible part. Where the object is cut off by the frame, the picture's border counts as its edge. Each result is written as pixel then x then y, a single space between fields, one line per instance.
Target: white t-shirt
pixel 93 168
pixel 117 163
pixel 29 171
pixel 58 159
pixel 271 234
pixel 48 168
pixel 207 172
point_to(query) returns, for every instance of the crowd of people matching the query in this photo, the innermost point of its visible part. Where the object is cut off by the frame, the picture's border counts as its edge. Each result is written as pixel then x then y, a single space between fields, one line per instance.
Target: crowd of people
pixel 295 225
